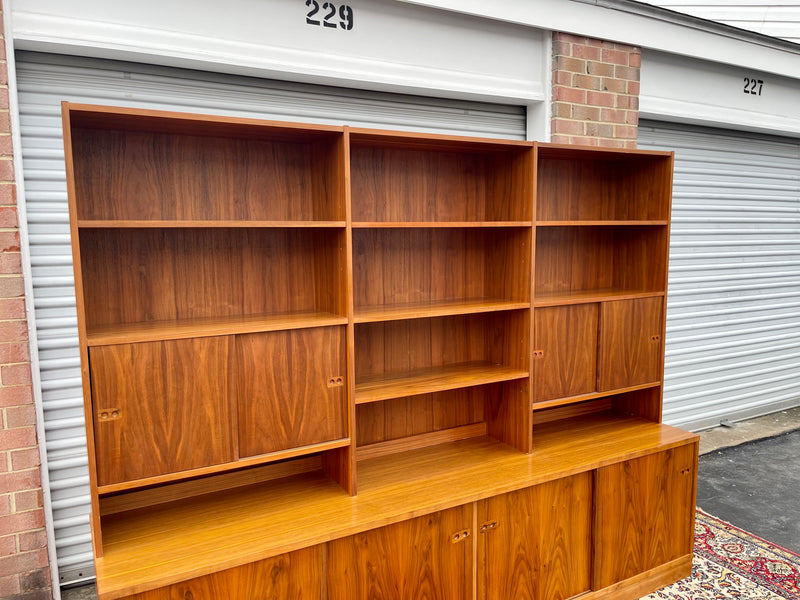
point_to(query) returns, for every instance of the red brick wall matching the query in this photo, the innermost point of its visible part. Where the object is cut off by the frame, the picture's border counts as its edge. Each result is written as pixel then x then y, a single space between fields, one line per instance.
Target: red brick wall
pixel 595 92
pixel 24 567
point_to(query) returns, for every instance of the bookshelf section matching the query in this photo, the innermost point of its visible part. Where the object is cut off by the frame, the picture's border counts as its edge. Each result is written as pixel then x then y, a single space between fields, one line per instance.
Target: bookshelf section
pixel 132 166
pixel 178 278
pixel 399 178
pixel 440 270
pixel 590 263
pixel 581 185
pixel 602 243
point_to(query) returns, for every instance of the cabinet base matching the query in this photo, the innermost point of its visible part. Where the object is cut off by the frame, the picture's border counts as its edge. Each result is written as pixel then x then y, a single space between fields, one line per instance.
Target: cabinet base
pixel 645 583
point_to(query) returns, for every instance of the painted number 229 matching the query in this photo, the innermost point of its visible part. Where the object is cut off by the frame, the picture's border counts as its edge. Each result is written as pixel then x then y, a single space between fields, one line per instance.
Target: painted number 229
pixel 329 15
pixel 753 86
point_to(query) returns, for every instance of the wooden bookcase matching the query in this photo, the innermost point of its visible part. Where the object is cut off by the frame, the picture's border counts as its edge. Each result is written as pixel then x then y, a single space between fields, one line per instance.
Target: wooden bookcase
pixel 324 362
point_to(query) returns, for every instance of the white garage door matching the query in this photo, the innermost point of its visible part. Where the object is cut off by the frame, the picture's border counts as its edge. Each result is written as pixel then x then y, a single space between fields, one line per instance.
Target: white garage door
pixel 733 310
pixel 44 81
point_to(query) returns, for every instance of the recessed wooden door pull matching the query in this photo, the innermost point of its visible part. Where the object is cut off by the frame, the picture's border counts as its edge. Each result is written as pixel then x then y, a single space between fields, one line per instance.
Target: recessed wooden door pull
pixel 459 536
pixel 538 354
pixel 109 414
pixel 486 527
pixel 335 381
pixel 655 338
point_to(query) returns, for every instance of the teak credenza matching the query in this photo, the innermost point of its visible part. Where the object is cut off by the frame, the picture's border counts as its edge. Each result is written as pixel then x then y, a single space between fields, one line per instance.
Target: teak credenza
pixel 335 363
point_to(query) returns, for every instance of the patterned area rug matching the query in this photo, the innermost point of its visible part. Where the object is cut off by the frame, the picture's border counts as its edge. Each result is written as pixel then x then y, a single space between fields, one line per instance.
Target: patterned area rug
pixel 731 563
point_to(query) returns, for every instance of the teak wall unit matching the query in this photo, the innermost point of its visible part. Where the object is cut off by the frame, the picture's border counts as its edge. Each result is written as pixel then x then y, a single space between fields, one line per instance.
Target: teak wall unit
pixel 333 363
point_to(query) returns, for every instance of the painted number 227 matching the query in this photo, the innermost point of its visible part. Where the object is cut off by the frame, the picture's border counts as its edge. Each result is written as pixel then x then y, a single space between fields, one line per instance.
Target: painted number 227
pixel 329 15
pixel 753 86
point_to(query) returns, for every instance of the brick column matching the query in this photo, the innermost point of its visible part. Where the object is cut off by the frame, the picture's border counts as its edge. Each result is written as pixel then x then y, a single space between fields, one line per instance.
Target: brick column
pixel 595 92
pixel 24 565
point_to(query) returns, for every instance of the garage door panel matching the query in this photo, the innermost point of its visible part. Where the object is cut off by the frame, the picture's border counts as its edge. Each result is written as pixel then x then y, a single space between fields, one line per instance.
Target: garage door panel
pixel 733 308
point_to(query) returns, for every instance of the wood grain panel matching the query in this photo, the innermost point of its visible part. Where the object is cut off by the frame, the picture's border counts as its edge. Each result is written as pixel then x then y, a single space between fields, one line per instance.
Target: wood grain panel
pixel 536 543
pixel 508 414
pixel 412 559
pixel 577 187
pixel 567 338
pixel 400 384
pixel 568 411
pixel 423 440
pixel 508 264
pixel 645 513
pixel 284 396
pixel 161 494
pixel 395 184
pixel 400 346
pixel 630 347
pixel 409 266
pixel 172 403
pixel 510 187
pixel 297 575
pixel 404 417
pixel 640 258
pixel 573 259
pixel 604 260
pixel 145 275
pixel 645 583
pixel 645 404
pixel 143 175
pixel 398 184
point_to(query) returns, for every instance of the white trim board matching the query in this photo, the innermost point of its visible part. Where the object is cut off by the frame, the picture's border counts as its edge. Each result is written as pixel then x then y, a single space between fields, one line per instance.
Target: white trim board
pixel 638 25
pixel 684 90
pixel 392 47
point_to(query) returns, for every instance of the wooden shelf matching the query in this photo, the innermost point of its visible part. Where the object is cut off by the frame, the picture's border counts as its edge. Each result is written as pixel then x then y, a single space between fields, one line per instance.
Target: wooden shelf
pixel 176 541
pixel 423 440
pixel 545 404
pixel 578 185
pixel 222 468
pixel 587 296
pixel 605 222
pixel 574 260
pixel 437 224
pixel 423 381
pixel 403 179
pixel 417 310
pixel 166 224
pixel 192 328
pixel 433 265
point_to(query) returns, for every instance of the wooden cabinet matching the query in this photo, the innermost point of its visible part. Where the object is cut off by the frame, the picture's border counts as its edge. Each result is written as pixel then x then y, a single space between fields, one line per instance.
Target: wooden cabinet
pixel 536 543
pixel 642 516
pixel 565 351
pixel 161 407
pixel 340 354
pixel 586 349
pixel 426 557
pixel 630 346
pixel 290 389
pixel 296 575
